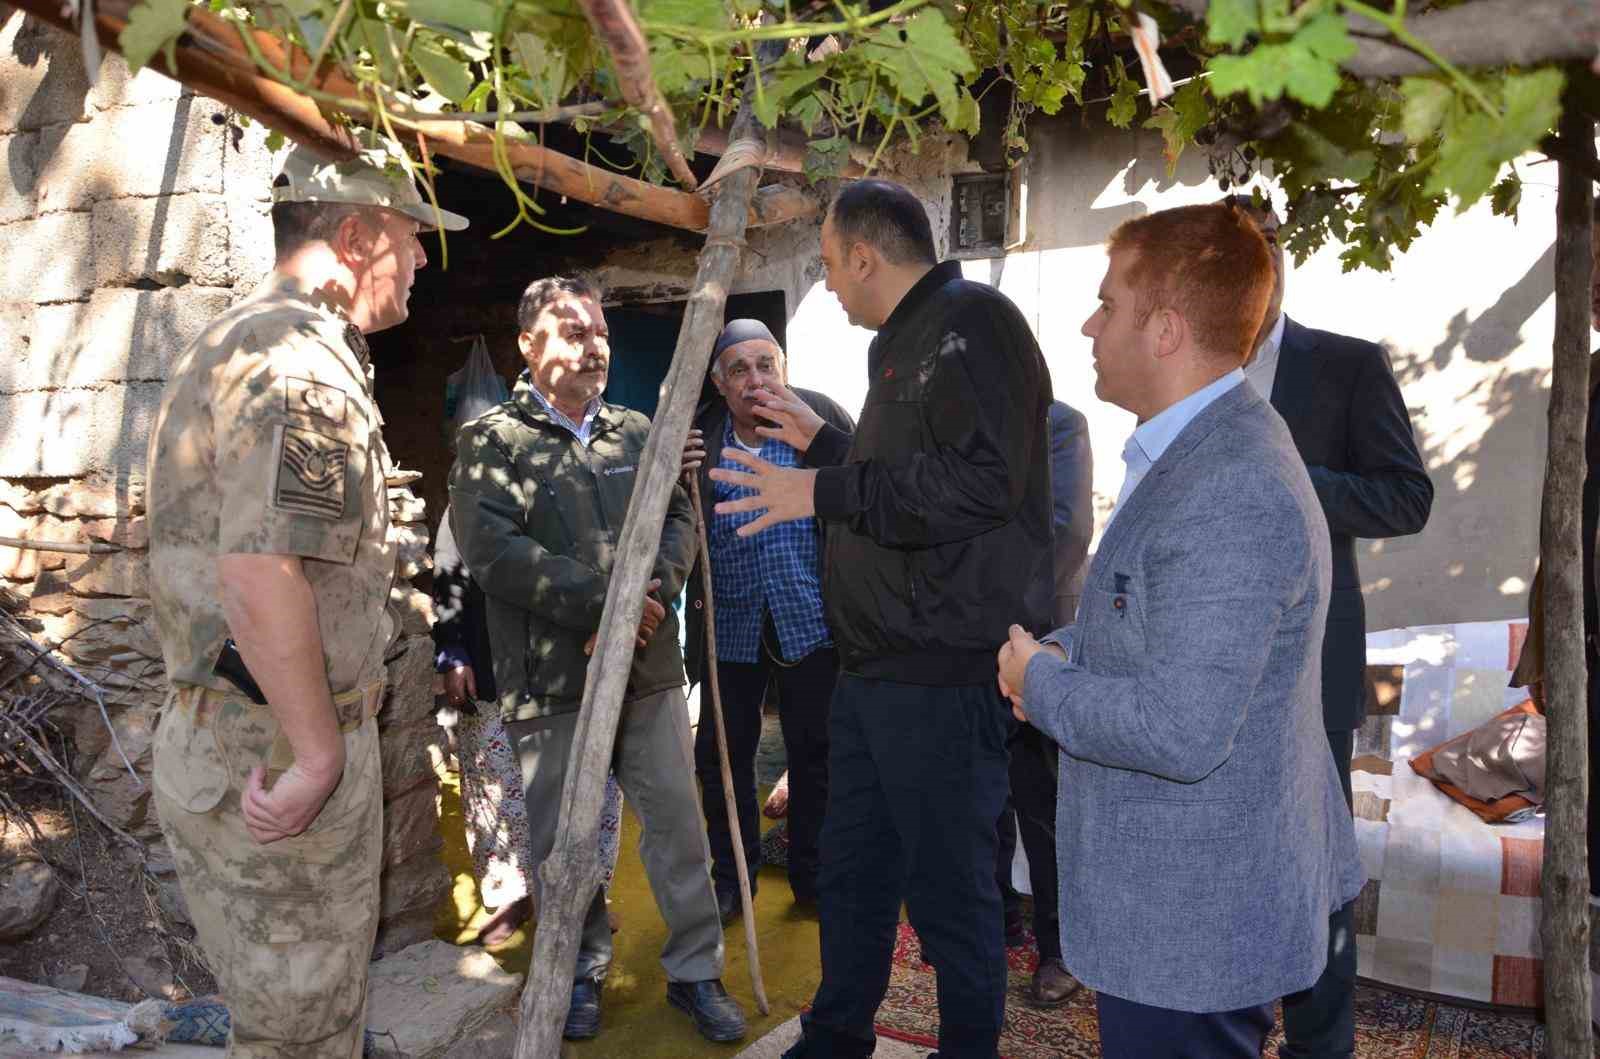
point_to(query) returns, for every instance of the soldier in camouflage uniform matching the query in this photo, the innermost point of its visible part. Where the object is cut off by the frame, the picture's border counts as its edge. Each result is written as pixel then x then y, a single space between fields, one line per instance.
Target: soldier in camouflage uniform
pixel 271 563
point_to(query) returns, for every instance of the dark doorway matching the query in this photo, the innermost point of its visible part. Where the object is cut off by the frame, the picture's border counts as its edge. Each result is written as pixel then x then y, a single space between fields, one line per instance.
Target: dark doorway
pixel 477 295
pixel 643 338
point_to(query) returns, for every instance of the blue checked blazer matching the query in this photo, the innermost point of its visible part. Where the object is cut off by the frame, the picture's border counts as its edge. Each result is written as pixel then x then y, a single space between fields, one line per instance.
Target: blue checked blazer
pixel 1202 837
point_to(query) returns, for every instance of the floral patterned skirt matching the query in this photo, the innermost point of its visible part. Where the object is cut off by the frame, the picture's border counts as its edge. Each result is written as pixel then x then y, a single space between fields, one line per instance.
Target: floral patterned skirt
pixel 496 818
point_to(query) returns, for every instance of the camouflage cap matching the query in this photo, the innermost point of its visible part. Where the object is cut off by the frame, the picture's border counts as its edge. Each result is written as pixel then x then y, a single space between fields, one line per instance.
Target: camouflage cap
pixel 372 178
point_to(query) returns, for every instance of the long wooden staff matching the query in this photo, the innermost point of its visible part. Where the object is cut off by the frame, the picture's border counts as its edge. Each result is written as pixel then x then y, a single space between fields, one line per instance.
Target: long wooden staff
pixel 728 795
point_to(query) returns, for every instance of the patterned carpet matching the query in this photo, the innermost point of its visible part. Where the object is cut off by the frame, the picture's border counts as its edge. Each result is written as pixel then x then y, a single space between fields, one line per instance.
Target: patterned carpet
pixel 1389 1025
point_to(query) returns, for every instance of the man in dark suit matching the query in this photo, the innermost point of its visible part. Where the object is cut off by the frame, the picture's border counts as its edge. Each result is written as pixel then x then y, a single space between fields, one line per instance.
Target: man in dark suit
pixel 1347 416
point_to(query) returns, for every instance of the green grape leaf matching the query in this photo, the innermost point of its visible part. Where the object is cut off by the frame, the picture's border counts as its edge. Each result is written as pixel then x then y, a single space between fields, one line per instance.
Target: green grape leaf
pixel 922 58
pixel 765 106
pixel 825 158
pixel 1305 66
pixel 466 15
pixel 1317 159
pixel 967 115
pixel 692 14
pixel 1229 22
pixel 444 73
pixel 1183 115
pixel 807 110
pixel 302 8
pixel 1506 196
pixel 1474 145
pixel 1078 31
pixel 1427 101
pixel 152 26
pixel 1124 98
pixel 275 140
pixel 546 67
pixel 369 34
pixel 791 78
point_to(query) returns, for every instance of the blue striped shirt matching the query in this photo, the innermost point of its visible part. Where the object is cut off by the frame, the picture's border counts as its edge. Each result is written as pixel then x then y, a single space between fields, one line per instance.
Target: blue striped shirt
pixel 773 572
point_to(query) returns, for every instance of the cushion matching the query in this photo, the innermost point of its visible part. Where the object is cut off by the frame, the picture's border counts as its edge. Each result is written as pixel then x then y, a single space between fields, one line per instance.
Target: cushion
pixel 1478 761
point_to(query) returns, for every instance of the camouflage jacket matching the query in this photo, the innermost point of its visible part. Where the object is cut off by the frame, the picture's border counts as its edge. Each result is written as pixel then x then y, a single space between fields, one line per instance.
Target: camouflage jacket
pixel 538 516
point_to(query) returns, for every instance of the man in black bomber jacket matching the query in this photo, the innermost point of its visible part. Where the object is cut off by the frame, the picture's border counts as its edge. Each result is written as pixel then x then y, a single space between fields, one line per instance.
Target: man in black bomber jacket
pixel 938 513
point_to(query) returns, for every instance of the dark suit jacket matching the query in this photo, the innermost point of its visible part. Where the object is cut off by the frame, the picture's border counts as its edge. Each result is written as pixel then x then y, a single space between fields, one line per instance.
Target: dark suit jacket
pixel 711 418
pixel 1343 407
pixel 1072 504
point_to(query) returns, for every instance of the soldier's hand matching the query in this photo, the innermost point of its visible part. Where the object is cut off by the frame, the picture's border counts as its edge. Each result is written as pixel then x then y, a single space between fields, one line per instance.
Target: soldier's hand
pixel 793 421
pixel 694 450
pixel 292 803
pixel 460 684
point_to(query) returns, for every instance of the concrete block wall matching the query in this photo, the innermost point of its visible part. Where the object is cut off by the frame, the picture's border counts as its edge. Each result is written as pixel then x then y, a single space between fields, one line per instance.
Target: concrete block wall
pixel 133 212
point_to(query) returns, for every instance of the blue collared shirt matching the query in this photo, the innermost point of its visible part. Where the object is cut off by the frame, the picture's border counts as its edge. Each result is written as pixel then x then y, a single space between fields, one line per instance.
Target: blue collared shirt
pixel 773 572
pixel 1152 438
pixel 582 430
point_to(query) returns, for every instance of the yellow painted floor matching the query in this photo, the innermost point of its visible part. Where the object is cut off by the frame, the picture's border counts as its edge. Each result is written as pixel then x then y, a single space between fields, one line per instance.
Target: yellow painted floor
pixel 636 1021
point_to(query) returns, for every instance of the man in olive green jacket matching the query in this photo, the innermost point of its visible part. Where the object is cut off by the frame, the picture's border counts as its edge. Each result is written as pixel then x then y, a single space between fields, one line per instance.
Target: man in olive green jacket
pixel 538 496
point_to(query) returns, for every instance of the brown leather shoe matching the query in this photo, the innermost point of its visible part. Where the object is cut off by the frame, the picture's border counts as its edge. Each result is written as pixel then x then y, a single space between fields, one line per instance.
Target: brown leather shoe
pixel 1052 985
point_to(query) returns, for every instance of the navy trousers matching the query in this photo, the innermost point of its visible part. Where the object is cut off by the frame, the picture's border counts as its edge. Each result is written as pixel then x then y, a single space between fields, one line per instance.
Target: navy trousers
pixel 917 777
pixel 1320 1022
pixel 1139 1031
pixel 804 689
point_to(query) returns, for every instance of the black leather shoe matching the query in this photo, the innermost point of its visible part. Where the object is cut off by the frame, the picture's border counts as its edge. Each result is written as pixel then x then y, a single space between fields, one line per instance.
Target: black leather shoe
pixel 729 907
pixel 1052 985
pixel 583 1015
pixel 716 1014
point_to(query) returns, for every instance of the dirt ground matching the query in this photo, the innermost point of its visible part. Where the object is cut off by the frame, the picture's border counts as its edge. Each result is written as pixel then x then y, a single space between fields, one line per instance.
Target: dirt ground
pixel 106 919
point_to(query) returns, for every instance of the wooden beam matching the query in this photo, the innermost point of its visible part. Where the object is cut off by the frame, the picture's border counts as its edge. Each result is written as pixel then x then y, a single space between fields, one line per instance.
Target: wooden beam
pixel 1565 884
pixel 783 152
pixel 1473 35
pixel 212 59
pixel 570 876
pixel 618 30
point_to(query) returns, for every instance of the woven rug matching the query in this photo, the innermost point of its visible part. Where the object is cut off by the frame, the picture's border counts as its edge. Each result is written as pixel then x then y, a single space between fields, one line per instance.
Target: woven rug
pixel 1389 1025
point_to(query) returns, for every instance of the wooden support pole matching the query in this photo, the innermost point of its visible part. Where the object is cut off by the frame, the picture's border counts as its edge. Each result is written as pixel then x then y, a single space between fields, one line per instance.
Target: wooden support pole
pixel 1565 889
pixel 730 797
pixel 570 876
pixel 618 30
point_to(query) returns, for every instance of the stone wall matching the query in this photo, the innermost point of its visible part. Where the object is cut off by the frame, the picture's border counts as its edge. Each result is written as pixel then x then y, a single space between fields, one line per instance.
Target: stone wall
pixel 131 213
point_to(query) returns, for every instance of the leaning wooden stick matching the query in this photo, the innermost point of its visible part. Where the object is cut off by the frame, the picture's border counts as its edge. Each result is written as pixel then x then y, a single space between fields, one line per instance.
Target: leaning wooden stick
pixel 728 794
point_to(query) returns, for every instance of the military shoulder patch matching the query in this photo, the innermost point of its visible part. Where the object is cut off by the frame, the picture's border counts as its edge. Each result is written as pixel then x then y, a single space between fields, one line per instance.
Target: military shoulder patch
pixel 307 397
pixel 310 479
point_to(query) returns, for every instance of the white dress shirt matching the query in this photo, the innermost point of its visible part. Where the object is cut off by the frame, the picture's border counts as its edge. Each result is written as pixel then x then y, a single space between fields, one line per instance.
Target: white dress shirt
pixel 1263 367
pixel 1153 437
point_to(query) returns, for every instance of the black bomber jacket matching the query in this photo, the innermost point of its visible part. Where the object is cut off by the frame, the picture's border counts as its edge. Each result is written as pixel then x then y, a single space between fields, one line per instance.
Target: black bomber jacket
pixel 939 506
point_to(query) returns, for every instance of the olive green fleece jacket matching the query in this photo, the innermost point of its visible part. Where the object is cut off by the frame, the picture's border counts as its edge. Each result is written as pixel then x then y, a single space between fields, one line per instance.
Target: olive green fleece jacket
pixel 538 517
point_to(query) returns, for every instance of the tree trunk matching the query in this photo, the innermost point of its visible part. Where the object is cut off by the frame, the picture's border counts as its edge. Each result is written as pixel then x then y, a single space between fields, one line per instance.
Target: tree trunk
pixel 1565 930
pixel 571 874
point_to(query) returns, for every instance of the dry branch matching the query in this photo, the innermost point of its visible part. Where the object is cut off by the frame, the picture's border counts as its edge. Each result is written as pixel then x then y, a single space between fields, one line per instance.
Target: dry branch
pixel 68 547
pixel 570 876
pixel 1474 35
pixel 1565 884
pixel 619 31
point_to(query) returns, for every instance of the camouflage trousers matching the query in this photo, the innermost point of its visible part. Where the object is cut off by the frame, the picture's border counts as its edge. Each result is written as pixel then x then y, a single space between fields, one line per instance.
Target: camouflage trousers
pixel 288 927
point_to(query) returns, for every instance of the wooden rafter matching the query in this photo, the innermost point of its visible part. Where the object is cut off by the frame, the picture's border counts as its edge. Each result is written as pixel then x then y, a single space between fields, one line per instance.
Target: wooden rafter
pixel 212 59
